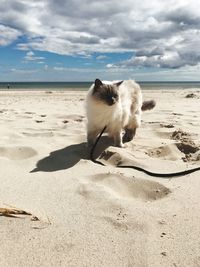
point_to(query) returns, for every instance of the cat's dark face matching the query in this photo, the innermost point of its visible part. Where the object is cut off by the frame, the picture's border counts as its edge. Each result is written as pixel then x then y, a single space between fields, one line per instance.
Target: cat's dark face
pixel 107 93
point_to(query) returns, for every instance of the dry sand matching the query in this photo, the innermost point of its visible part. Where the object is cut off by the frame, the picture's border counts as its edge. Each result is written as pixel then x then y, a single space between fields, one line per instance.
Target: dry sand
pixel 84 214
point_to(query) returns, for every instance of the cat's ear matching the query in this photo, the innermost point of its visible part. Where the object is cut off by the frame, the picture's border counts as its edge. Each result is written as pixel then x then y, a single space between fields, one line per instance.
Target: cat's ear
pixel 118 83
pixel 98 83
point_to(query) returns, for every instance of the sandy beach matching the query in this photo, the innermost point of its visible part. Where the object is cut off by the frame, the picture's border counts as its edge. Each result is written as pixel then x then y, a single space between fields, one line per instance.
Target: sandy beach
pixel 85 214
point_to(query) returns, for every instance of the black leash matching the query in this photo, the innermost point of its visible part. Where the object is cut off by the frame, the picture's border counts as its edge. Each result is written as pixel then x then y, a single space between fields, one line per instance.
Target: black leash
pixel 171 174
pixel 93 148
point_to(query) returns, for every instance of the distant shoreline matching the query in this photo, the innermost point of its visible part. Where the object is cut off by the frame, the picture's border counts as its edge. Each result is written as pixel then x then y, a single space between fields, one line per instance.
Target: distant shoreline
pixel 82 86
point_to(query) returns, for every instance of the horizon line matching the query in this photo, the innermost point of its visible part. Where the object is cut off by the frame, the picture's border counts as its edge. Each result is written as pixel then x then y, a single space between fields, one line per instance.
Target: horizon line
pixel 92 81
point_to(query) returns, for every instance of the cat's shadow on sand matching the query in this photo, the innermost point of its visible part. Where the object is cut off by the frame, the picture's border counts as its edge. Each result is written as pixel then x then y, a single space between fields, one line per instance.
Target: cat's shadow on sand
pixel 69 156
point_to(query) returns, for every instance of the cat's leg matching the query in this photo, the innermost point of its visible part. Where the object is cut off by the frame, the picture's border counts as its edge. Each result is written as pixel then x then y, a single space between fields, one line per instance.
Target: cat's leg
pixel 118 139
pixel 130 128
pixel 129 134
pixel 91 137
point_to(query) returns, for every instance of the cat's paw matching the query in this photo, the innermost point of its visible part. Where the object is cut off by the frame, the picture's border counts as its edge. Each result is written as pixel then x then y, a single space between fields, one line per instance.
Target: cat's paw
pixel 120 145
pixel 129 134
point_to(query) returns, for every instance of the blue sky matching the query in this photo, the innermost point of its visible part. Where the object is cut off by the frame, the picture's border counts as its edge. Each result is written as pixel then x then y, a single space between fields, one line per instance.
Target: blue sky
pixel 80 40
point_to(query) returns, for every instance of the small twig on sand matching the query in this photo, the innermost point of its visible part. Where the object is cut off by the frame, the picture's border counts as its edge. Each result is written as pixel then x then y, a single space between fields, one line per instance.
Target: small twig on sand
pixel 13 212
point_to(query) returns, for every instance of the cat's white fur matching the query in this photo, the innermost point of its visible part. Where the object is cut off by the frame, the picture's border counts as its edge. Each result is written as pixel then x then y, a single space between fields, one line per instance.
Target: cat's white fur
pixel 126 113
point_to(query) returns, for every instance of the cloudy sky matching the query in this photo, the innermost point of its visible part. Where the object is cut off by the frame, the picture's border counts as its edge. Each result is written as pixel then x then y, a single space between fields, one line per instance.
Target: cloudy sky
pixel 79 40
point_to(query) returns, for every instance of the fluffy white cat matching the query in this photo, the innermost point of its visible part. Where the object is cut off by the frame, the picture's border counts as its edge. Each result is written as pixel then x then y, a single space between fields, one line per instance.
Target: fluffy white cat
pixel 118 106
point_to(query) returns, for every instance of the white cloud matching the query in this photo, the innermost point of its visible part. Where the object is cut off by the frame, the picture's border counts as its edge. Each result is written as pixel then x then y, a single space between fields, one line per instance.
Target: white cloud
pixel 30 56
pixel 59 68
pixel 100 57
pixel 8 35
pixel 110 66
pixel 24 71
pixel 159 33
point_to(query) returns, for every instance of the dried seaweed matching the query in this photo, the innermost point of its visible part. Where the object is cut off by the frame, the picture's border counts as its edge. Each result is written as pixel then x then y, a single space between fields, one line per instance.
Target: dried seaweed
pixel 13 212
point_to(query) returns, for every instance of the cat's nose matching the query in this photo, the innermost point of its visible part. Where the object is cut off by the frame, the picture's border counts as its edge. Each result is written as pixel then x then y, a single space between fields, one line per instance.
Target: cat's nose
pixel 113 100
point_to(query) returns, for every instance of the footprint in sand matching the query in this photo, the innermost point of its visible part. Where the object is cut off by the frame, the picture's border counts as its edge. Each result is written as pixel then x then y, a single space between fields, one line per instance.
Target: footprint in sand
pixel 17 153
pixel 71 117
pixel 169 125
pixel 120 186
pixel 185 149
pixel 39 121
pixel 29 112
pixel 167 152
pixel 175 151
pixel 39 134
pixel 186 145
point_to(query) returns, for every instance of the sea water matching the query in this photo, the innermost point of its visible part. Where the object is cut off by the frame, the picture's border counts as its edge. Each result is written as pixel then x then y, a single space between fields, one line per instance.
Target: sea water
pixel 85 85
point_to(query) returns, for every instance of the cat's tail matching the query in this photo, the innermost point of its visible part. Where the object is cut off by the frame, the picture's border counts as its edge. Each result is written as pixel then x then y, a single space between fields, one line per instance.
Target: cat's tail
pixel 147 105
